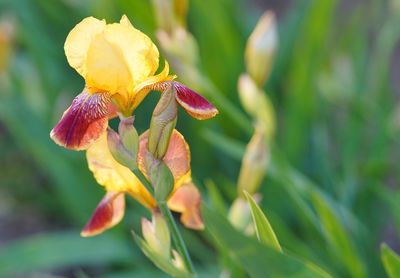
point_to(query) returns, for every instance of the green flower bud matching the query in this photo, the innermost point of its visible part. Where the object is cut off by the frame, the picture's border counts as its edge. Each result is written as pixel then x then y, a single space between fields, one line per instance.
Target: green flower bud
pixel 260 48
pixel 119 152
pixel 163 123
pixel 129 136
pixel 156 234
pixel 160 177
pixel 254 164
pixel 257 104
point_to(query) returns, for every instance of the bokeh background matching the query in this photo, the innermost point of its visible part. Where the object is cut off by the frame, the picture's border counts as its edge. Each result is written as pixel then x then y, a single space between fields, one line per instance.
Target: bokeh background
pixel 332 194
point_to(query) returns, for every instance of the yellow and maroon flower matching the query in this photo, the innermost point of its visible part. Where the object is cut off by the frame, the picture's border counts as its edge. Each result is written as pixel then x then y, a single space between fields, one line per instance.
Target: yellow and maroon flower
pixel 119 181
pixel 118 63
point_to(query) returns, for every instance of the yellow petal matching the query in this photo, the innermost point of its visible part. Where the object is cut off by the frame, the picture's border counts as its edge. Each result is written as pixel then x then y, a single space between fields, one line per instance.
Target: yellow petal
pixel 78 42
pixel 112 175
pixel 135 48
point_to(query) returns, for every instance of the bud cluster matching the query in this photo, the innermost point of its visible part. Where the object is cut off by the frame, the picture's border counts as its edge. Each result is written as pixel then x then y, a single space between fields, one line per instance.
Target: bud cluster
pixel 259 54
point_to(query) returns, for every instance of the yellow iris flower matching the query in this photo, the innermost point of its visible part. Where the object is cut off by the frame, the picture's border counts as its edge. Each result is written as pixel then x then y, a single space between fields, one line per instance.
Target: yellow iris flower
pixel 118 63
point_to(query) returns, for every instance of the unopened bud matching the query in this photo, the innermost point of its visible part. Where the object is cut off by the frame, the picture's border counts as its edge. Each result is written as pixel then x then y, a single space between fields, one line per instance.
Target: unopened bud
pixel 163 123
pixel 129 136
pixel 181 9
pixel 177 261
pixel 257 104
pixel 160 177
pixel 119 152
pixel 180 47
pixel 254 164
pixel 156 234
pixel 260 48
pixel 165 14
pixel 240 214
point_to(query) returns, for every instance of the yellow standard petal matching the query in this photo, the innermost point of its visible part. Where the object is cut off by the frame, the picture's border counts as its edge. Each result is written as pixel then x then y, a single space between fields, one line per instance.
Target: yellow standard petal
pixel 112 175
pixel 79 40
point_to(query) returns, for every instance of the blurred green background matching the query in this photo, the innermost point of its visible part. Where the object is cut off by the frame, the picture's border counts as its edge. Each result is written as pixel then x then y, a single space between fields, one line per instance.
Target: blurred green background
pixel 332 192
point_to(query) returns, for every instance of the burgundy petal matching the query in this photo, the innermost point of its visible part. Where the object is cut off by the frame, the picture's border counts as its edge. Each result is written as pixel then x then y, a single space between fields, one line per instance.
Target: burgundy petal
pixel 108 213
pixel 84 121
pixel 195 105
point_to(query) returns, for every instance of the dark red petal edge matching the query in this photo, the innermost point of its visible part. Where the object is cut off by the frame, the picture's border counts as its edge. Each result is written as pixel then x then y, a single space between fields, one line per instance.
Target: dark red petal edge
pixel 108 213
pixel 195 105
pixel 84 121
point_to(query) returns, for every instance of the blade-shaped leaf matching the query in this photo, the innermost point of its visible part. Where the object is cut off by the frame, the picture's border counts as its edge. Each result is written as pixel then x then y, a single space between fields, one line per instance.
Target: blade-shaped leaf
pixel 257 259
pixel 263 228
pixel 391 261
pixel 337 237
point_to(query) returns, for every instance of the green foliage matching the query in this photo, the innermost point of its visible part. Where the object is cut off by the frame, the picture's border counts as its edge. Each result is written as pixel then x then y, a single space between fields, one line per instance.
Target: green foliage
pixel 61 250
pixel 257 259
pixel 332 186
pixel 391 261
pixel 264 231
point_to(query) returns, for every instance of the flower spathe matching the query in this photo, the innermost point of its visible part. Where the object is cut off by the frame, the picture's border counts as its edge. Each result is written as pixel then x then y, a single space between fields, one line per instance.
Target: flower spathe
pixel 119 180
pixel 118 64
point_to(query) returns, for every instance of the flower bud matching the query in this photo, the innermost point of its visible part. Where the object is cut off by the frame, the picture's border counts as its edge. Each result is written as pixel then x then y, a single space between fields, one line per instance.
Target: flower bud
pixel 260 48
pixel 165 14
pixel 129 136
pixel 254 164
pixel 177 261
pixel 163 123
pixel 119 152
pixel 156 234
pixel 181 9
pixel 240 214
pixel 181 49
pixel 160 177
pixel 257 104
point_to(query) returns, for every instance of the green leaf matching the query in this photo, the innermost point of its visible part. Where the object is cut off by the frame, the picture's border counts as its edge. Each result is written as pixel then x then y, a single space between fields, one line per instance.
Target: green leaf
pixel 263 228
pixel 337 237
pixel 162 263
pixel 257 259
pixel 391 261
pixel 60 250
pixel 215 196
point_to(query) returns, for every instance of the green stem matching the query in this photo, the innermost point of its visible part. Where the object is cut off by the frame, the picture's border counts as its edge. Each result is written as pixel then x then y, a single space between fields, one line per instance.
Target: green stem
pixel 176 236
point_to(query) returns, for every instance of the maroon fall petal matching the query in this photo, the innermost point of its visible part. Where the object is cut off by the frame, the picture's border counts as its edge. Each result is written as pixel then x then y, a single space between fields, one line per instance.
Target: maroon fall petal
pixel 195 105
pixel 84 121
pixel 108 213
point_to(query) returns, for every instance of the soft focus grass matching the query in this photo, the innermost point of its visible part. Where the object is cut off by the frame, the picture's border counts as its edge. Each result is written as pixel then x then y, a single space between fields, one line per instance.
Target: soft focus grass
pixel 332 189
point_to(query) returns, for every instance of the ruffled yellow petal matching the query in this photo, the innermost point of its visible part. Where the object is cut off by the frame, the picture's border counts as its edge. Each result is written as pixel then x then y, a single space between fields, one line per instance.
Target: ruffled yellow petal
pixel 79 40
pixel 135 48
pixel 112 175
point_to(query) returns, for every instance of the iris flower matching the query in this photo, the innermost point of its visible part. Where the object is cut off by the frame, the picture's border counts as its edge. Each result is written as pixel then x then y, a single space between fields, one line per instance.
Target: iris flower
pixel 119 65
